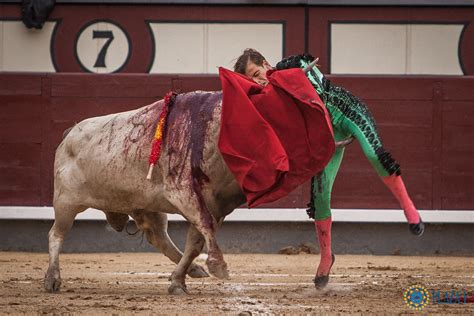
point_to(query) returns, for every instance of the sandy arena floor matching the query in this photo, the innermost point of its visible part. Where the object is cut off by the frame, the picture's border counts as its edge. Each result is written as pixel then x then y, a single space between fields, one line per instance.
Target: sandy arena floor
pixel 126 283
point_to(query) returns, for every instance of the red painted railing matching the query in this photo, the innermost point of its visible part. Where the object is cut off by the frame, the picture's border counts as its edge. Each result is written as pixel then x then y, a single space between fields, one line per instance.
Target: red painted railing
pixel 427 123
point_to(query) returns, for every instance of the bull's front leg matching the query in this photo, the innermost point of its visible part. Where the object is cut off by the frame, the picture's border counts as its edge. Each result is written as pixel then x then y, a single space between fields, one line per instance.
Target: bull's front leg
pixel 195 210
pixel 155 226
pixel 205 223
pixel 194 245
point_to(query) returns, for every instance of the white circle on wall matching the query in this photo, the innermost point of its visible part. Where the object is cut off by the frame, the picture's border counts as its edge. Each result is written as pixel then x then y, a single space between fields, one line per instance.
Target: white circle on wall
pixel 102 47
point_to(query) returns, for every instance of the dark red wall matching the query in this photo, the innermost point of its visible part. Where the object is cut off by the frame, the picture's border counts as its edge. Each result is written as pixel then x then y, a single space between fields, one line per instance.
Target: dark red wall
pixel 426 122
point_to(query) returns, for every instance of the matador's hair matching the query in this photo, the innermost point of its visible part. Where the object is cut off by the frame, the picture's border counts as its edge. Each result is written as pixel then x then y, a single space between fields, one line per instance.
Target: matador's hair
pixel 249 54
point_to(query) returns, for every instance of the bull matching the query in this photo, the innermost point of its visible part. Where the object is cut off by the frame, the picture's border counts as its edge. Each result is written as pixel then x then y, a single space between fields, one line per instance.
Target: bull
pixel 102 163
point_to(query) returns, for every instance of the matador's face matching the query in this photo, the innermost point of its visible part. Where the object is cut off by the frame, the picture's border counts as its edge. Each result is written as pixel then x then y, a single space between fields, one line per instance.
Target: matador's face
pixel 258 73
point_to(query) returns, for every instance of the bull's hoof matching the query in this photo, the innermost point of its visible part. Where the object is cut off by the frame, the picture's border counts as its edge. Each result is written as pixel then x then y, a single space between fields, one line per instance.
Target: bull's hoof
pixel 178 289
pixel 52 284
pixel 196 271
pixel 417 229
pixel 322 280
pixel 217 268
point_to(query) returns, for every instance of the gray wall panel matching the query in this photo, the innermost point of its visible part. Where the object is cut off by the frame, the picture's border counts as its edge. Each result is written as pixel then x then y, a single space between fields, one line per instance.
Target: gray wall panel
pixel 239 237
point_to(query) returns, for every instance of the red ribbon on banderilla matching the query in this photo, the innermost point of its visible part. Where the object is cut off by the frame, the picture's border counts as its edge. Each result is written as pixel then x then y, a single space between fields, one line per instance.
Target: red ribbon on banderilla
pixel 169 99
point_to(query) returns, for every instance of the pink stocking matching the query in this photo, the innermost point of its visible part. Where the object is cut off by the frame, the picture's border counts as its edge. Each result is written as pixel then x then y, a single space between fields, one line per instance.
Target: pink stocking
pixel 396 185
pixel 323 228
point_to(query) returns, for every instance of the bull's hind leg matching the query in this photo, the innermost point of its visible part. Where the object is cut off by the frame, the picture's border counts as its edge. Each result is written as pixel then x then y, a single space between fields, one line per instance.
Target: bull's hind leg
pixel 64 218
pixel 155 226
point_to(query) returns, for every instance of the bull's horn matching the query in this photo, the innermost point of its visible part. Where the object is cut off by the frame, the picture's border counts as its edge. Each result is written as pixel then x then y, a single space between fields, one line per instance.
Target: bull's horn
pixel 310 66
pixel 344 142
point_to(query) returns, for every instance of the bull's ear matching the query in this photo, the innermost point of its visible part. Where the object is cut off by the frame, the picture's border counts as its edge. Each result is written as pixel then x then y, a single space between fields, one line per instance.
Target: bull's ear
pixel 35 12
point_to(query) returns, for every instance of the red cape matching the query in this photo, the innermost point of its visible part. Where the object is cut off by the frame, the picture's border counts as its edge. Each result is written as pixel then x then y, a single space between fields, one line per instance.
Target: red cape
pixel 273 138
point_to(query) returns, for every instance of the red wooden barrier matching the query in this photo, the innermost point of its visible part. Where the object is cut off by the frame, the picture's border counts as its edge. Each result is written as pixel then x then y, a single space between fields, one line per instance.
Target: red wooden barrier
pixel 425 122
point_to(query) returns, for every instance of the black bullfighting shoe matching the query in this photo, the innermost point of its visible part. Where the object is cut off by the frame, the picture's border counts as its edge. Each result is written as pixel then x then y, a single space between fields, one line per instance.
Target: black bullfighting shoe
pixel 417 229
pixel 322 280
